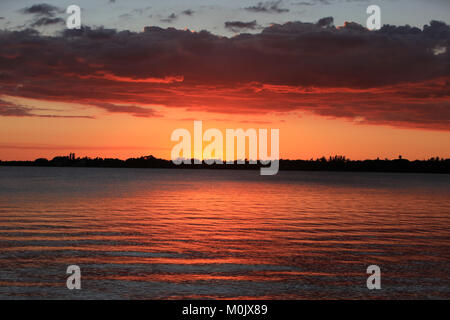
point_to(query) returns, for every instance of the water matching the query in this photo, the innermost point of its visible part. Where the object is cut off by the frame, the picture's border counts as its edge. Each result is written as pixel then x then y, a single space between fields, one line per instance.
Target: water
pixel 176 234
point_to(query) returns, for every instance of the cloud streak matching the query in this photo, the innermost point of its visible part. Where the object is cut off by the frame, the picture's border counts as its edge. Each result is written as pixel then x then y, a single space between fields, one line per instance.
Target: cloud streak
pixel 45 21
pixel 267 7
pixel 136 111
pixel 8 109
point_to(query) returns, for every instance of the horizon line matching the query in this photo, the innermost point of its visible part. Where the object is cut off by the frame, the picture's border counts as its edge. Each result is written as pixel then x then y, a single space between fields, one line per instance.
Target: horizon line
pixel 334 157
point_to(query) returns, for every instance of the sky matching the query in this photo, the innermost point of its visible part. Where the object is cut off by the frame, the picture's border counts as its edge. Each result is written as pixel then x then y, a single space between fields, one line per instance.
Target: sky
pixel 138 70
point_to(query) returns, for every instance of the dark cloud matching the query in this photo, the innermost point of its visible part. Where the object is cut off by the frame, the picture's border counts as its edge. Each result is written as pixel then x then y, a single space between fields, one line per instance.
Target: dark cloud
pixel 395 76
pixel 10 110
pixel 173 16
pixel 42 9
pixel 188 12
pixel 237 26
pixel 170 18
pixel 43 15
pixel 268 7
pixel 325 22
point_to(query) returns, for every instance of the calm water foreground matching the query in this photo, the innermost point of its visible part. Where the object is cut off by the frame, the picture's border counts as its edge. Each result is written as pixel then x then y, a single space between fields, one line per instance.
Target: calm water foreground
pixel 175 234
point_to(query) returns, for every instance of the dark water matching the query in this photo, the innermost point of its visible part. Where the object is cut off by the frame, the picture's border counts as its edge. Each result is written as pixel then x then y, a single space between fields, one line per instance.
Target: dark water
pixel 170 234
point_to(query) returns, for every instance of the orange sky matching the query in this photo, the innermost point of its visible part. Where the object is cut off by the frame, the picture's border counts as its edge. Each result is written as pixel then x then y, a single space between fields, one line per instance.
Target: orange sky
pixel 302 135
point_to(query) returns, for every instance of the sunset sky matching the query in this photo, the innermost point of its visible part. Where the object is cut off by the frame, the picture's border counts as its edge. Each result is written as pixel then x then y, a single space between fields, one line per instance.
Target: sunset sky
pixel 140 69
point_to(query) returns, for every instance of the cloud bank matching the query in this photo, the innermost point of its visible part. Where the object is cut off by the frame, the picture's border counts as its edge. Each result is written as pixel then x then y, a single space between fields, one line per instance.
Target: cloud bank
pixel 399 75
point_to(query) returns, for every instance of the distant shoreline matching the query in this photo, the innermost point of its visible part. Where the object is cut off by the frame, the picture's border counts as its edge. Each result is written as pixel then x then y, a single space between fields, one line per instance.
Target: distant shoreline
pixel 337 163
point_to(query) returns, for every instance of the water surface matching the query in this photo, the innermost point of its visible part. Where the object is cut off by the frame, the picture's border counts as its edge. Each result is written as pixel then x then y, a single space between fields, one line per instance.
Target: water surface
pixel 175 234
